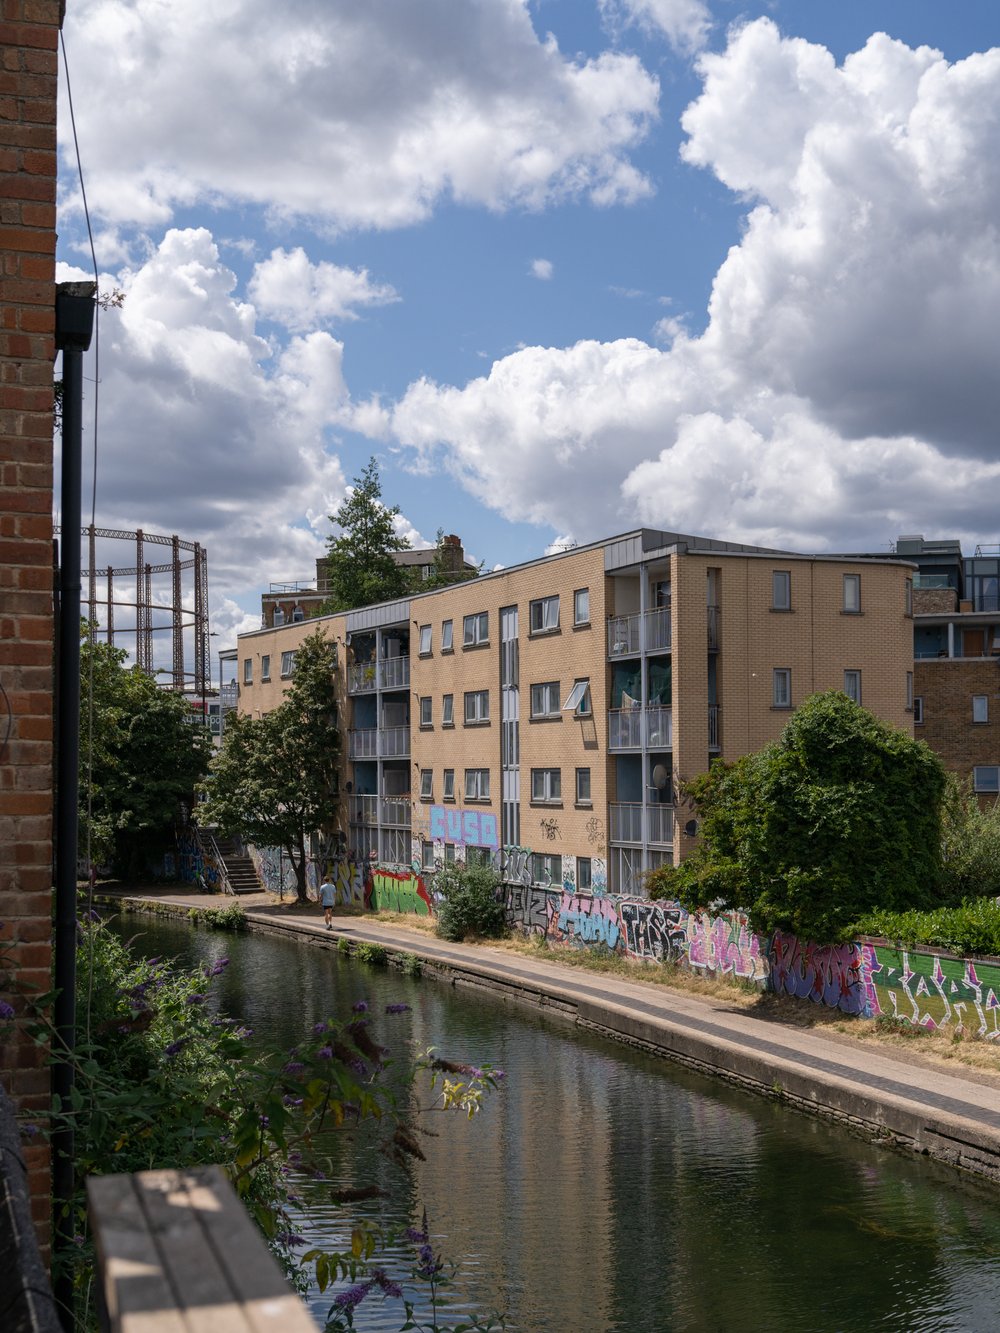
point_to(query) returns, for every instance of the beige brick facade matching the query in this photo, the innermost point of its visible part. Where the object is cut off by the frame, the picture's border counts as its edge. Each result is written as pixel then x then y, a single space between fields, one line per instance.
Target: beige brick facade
pixel 679 646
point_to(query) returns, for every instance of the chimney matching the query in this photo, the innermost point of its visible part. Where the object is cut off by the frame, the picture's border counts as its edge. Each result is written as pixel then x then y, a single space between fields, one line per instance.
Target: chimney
pixel 452 554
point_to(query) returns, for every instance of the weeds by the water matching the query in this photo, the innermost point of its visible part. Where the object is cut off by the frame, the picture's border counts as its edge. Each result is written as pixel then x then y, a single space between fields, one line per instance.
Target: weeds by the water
pixel 368 951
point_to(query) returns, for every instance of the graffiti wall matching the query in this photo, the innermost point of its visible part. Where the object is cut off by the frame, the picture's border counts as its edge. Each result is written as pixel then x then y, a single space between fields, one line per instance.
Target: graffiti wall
pixel 932 991
pixel 192 861
pixel 463 828
pixel 832 975
pixel 277 875
pixel 398 891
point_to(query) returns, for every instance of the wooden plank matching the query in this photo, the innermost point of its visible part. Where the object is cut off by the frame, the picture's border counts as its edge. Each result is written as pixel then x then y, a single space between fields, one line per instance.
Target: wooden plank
pixel 270 1305
pixel 201 1286
pixel 137 1295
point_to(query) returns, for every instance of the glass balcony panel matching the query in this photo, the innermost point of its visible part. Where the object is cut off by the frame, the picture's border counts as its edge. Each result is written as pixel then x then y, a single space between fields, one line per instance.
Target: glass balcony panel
pixel 658 631
pixel 394 673
pixel 394 742
pixel 362 744
pixel 623 636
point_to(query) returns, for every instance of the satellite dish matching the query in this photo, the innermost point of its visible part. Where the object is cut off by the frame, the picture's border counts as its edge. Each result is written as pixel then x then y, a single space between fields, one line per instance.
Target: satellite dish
pixel 661 777
pixel 691 828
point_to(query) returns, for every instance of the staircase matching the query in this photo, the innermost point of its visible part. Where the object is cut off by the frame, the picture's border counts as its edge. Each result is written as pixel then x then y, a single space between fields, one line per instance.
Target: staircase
pixel 240 869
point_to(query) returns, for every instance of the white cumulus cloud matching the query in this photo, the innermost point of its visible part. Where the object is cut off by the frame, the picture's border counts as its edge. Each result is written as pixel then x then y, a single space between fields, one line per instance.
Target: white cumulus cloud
pixel 542 269
pixel 290 289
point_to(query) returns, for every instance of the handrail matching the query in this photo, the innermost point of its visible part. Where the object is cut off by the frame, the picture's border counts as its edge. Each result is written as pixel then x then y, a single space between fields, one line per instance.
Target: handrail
pixel 204 835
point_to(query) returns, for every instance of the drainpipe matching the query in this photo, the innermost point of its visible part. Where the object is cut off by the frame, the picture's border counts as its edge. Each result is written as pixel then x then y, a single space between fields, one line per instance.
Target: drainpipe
pixel 74 327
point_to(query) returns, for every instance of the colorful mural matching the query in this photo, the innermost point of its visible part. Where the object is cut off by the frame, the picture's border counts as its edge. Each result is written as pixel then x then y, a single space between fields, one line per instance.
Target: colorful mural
pixel 192 861
pixel 830 975
pixel 725 945
pixel 463 828
pixel 932 991
pixel 397 891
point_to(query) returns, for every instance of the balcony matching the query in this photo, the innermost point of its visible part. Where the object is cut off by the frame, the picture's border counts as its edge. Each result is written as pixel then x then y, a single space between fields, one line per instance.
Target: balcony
pixel 623 636
pixel 626 635
pixel 630 728
pixel 394 743
pixel 394 673
pixel 363 810
pixel 394 812
pixel 361 678
pixel 658 631
pixel 639 825
pixel 362 744
pixel 714 742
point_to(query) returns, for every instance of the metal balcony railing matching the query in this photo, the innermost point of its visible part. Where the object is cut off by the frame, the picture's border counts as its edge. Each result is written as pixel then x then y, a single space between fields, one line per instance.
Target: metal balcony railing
pixel 394 742
pixel 640 825
pixel 629 727
pixel 660 825
pixel 626 823
pixel 658 630
pixel 713 628
pixel 362 743
pixel 394 673
pixel 364 810
pixel 713 729
pixel 623 636
pixel 361 677
pixel 394 812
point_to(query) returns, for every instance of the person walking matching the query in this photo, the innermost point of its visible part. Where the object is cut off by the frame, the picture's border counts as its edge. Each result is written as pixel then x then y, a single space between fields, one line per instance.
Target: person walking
pixel 328 898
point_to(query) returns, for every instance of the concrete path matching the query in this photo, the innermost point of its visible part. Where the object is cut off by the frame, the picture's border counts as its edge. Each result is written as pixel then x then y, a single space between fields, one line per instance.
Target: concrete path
pixel 953 1116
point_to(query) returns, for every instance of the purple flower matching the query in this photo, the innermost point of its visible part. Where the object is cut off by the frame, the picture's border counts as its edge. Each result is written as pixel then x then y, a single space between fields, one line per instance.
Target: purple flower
pixel 264 1121
pixel 175 1046
pixel 6 1011
pixel 294 1067
pixel 359 1067
pixel 291 1101
pixel 295 1158
pixel 319 1029
pixel 353 1296
pixel 325 1053
pixel 290 1238
pixel 29 1131
pixel 361 1007
pixel 388 1286
pixel 219 967
pixel 397 1008
pixel 195 999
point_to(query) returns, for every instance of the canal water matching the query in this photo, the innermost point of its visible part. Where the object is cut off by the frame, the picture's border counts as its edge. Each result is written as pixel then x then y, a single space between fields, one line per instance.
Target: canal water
pixel 601 1189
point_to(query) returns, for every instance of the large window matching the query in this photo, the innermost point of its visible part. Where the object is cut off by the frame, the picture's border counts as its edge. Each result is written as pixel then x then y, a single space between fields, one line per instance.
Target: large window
pixel 425 640
pixel 546 784
pixel 546 870
pixel 476 629
pixel 287 664
pixel 980 708
pixel 543 615
pixel 581 606
pixel 426 784
pixel 852 685
pixel 477 784
pixel 781 590
pixel 852 593
pixel 477 707
pixel 447 710
pixel 449 784
pixel 426 711
pixel 986 778
pixel 447 642
pixel 545 699
pixel 265 667
pixel 782 687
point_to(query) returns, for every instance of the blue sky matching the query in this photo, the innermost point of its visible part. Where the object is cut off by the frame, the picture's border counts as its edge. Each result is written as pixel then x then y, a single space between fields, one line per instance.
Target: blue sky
pixel 564 267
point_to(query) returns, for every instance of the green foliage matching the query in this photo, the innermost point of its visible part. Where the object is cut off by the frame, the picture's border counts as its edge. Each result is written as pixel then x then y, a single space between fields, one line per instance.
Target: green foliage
pixel 368 951
pixel 971 843
pixel 409 964
pixel 359 564
pixel 973 927
pixel 661 882
pixel 231 918
pixel 839 817
pixel 473 902
pixel 273 782
pixel 143 757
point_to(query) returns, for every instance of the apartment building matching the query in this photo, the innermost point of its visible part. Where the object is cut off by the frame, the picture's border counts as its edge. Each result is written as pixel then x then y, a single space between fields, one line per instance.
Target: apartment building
pixel 543 716
pixel 956 648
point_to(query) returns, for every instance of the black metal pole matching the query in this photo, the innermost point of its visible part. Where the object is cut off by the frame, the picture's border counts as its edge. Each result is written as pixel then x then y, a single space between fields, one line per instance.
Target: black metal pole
pixel 74 326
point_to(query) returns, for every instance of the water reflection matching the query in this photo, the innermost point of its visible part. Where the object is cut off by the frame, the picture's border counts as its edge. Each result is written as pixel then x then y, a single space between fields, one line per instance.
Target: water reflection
pixel 605 1190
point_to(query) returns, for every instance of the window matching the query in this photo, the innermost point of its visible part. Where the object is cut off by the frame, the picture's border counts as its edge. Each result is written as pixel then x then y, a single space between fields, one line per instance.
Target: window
pixel 298 615
pixel 279 616
pixel 782 688
pixel 980 708
pixel 426 784
pixel 581 606
pixel 287 664
pixel 546 784
pixel 908 597
pixel 909 691
pixel 583 786
pixel 449 784
pixel 584 875
pixel 476 629
pixel 477 856
pixel 265 667
pixel 578 699
pixel 425 640
pixel 477 784
pixel 781 590
pixel 918 710
pixel 986 778
pixel 543 615
pixel 448 710
pixel 477 707
pixel 546 870
pixel 852 594
pixel 248 671
pixel 545 699
pixel 449 853
pixel 447 644
pixel 852 685
pixel 426 711
pixel 426 856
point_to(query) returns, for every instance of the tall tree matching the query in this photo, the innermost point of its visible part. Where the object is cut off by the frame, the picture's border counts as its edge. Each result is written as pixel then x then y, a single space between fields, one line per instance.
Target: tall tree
pixel 273 782
pixel 140 759
pixel 359 564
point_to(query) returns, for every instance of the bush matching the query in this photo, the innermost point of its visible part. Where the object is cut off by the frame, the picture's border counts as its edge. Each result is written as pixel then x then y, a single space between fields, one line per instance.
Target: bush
pixel 367 951
pixel 971 928
pixel 661 882
pixel 970 844
pixel 472 904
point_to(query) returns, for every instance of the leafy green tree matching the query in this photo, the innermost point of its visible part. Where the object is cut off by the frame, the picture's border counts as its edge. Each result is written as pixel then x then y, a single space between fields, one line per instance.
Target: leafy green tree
pixel 140 759
pixel 273 782
pixel 838 817
pixel 359 564
pixel 473 902
pixel 971 843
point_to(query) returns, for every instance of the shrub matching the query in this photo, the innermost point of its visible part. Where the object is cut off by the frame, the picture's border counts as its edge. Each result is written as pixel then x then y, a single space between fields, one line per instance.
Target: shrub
pixel 472 903
pixel 971 928
pixel 661 882
pixel 367 951
pixel 970 844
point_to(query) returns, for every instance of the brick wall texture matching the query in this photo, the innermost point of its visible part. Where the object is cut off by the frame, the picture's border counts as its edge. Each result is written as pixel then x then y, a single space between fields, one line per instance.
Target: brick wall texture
pixel 28 52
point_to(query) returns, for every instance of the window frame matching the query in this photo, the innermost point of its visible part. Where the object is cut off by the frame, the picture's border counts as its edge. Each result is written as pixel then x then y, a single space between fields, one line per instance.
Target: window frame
pixel 908 597
pixel 447 710
pixel 426 706
pixel 248 671
pixel 909 691
pixel 986 790
pixel 584 706
pixel 427 784
pixel 851 581
pixel 476 629
pixel 783 676
pixel 579 620
pixel 781 577
pixel 548 861
pixel 288 663
pixel 580 798
pixel 582 861
pixel 480 713
pixel 475 788
pixel 550 699
pixel 448 785
pixel 549 781
pixel 426 855
pixel 265 667
pixel 981 705
pixel 426 641
pixel 542 603
pixel 918 710
pixel 447 636
pixel 856 696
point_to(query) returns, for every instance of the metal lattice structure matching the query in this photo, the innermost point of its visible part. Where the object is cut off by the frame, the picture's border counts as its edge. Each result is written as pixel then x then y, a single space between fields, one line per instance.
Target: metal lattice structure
pixel 159 601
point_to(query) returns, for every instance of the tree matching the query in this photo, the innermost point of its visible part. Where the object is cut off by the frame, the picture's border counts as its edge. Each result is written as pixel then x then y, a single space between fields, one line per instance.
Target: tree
pixel 273 782
pixel 359 564
pixel 841 815
pixel 140 759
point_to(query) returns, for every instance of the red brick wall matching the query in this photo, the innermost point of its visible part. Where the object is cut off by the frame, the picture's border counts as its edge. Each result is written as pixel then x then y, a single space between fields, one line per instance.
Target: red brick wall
pixel 947 686
pixel 29 32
